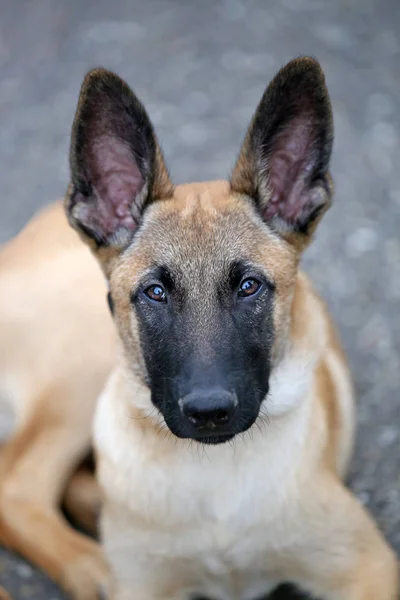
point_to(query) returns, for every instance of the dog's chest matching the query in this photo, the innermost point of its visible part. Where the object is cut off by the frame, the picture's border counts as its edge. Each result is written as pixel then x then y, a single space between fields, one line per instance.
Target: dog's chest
pixel 229 489
pixel 215 517
pixel 217 530
pixel 213 511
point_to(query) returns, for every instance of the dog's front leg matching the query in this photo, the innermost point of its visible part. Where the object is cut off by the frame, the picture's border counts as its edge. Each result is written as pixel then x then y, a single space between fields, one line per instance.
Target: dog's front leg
pixel 342 555
pixel 35 466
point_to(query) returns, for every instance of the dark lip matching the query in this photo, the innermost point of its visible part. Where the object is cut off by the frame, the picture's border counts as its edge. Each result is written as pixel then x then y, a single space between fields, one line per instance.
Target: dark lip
pixel 207 438
pixel 211 438
pixel 215 439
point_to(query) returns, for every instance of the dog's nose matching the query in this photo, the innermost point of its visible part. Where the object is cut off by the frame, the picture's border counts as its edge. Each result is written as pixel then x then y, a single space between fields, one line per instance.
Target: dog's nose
pixel 209 409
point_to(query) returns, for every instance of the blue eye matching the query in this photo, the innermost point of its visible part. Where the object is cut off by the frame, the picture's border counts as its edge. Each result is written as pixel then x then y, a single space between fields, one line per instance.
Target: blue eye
pixel 248 287
pixel 156 293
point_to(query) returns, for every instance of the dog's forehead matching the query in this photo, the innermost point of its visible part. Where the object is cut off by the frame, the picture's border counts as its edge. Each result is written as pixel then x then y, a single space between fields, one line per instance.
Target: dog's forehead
pixel 204 229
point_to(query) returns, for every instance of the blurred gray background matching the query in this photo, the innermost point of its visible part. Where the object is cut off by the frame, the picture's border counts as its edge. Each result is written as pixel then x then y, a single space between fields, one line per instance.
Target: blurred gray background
pixel 200 67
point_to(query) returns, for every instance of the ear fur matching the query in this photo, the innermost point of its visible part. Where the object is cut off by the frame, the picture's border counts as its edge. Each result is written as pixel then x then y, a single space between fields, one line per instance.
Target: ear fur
pixel 116 164
pixel 284 161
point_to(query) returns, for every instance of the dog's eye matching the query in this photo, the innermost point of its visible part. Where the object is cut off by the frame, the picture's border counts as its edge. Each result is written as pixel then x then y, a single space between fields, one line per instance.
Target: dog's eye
pixel 248 287
pixel 156 293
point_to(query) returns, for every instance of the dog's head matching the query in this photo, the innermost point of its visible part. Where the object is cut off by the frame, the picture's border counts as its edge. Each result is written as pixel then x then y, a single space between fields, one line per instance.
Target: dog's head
pixel 202 275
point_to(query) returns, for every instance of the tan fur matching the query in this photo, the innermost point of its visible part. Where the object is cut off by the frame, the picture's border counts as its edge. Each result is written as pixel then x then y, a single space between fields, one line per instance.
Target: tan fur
pixel 181 519
pixel 228 521
pixel 232 522
pixel 52 382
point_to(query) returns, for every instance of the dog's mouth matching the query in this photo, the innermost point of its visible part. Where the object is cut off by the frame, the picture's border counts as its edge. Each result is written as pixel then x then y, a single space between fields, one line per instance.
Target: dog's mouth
pixel 214 440
pixel 209 436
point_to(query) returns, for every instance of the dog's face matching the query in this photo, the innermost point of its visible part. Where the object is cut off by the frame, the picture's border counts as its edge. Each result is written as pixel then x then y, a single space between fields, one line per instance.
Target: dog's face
pixel 201 275
pixel 197 300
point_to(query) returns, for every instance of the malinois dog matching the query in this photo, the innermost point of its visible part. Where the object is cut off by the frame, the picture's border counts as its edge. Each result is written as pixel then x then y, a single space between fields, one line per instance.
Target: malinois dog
pixel 225 428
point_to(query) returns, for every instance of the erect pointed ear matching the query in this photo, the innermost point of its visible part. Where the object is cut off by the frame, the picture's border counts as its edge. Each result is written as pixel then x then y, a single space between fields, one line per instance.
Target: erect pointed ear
pixel 283 164
pixel 116 164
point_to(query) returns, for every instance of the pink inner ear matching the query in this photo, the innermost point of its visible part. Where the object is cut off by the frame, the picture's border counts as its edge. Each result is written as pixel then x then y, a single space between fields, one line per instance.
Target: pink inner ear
pixel 116 181
pixel 289 164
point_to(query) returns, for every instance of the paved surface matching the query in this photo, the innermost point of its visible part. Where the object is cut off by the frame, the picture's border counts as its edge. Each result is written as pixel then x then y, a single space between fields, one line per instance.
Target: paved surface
pixel 200 68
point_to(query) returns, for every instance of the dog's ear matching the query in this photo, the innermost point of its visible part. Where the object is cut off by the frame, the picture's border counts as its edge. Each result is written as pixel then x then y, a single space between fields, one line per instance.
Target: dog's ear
pixel 116 164
pixel 283 164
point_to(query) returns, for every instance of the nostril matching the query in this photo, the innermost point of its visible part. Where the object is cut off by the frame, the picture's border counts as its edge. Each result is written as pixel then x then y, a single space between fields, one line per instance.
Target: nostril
pixel 221 416
pixel 197 418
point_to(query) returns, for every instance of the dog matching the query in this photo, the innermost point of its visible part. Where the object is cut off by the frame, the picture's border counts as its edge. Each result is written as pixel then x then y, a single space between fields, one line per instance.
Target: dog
pixel 225 420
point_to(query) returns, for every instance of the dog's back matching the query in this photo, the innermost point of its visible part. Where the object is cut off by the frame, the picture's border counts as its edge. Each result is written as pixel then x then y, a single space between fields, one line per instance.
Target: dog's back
pixel 57 345
pixel 53 316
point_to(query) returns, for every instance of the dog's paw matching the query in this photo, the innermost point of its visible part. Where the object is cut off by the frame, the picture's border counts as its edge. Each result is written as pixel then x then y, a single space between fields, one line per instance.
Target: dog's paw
pixel 86 578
